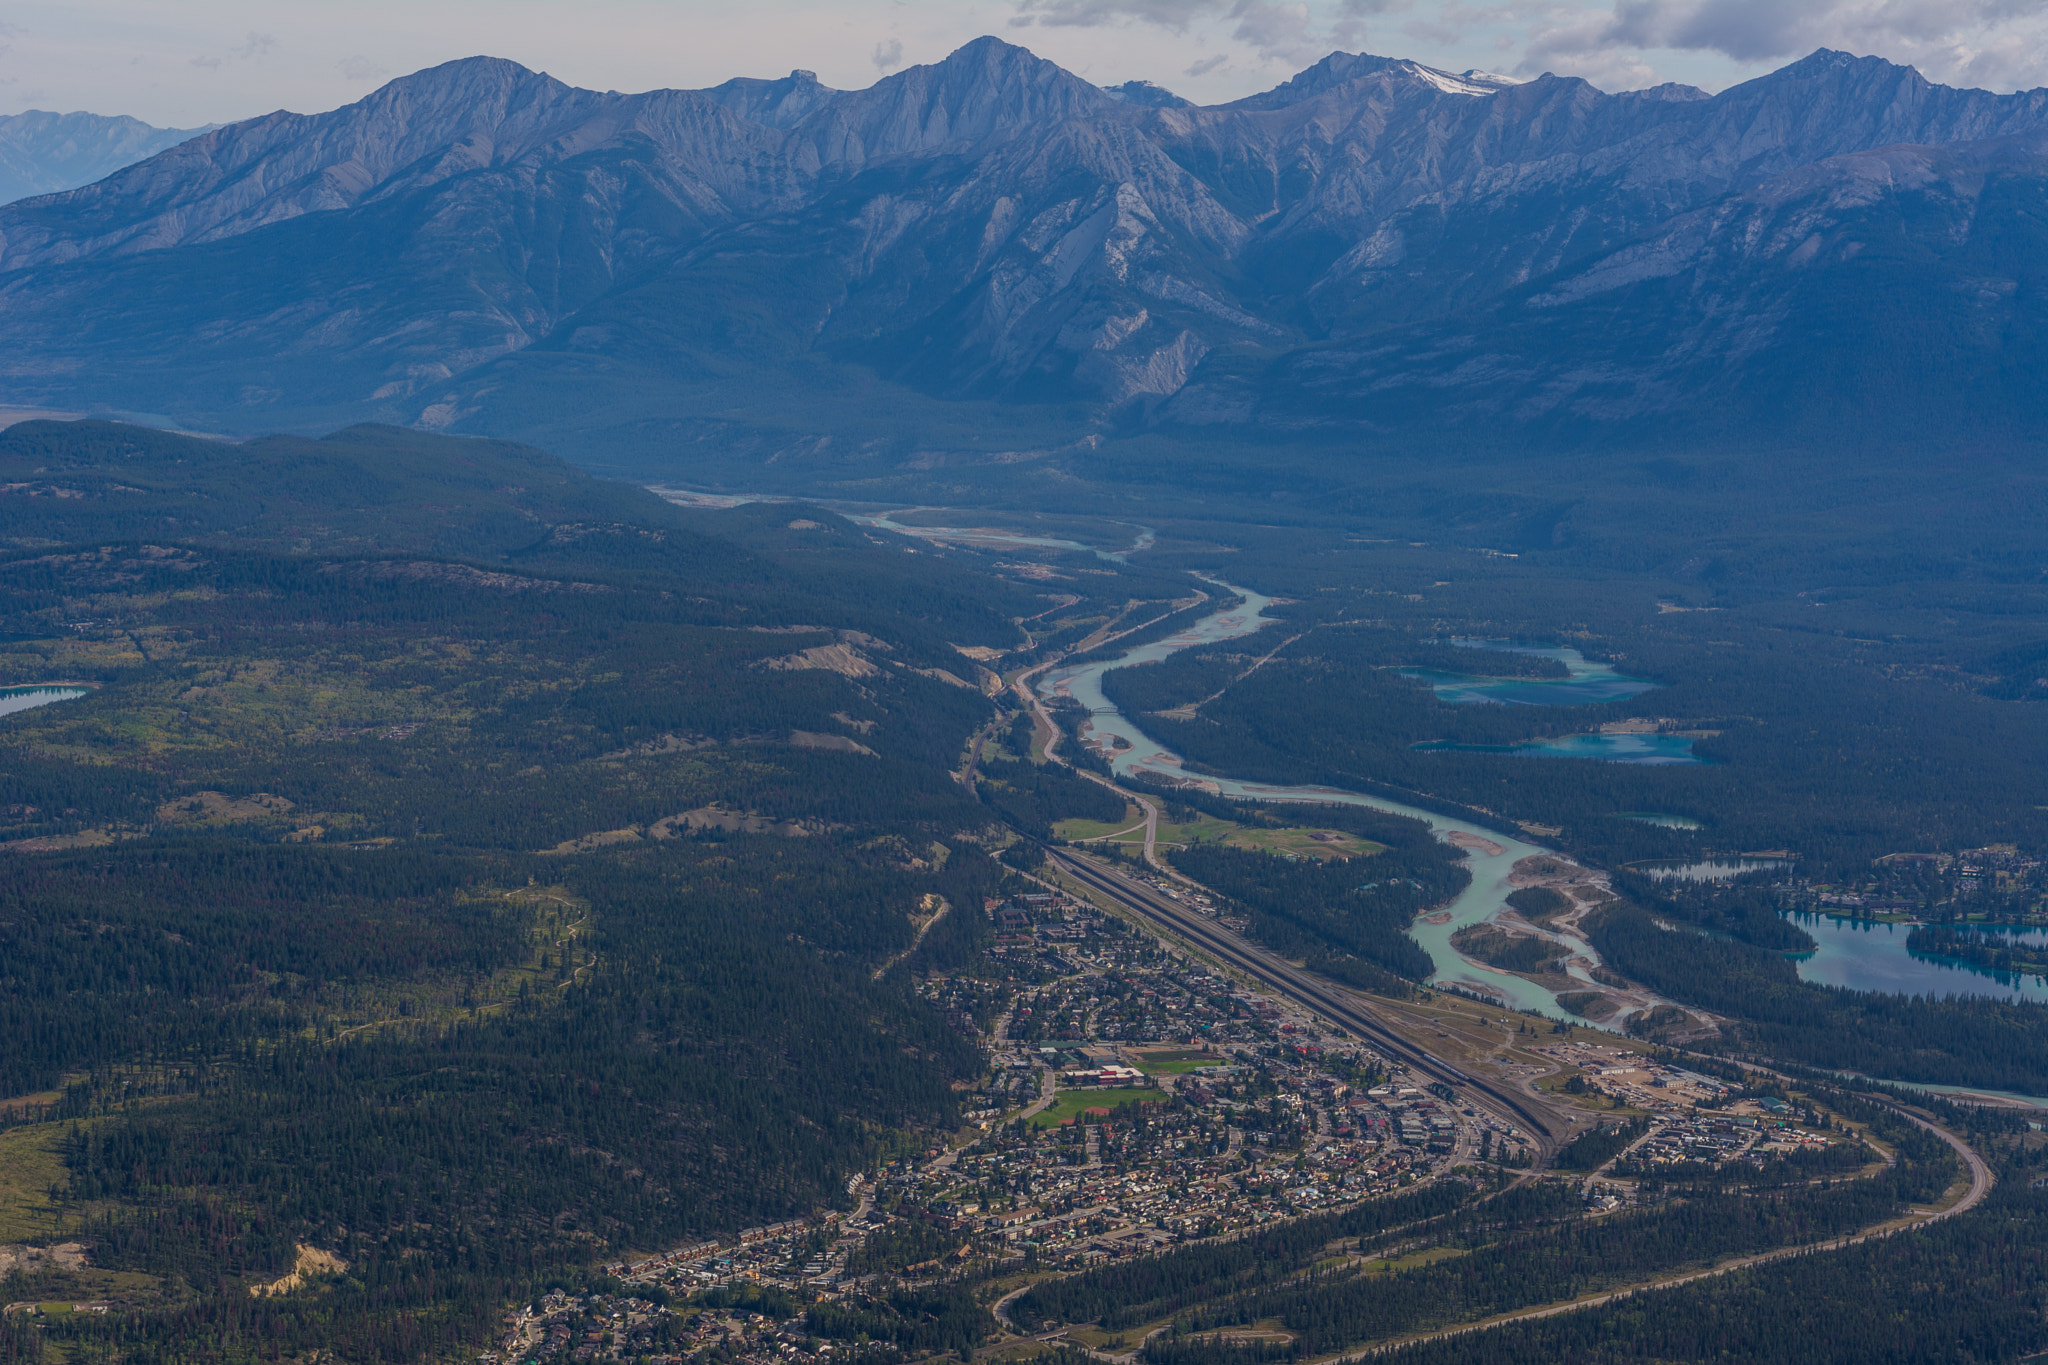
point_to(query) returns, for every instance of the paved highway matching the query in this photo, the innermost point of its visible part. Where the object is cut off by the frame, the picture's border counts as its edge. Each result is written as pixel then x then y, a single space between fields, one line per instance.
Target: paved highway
pixel 1980 1186
pixel 1301 987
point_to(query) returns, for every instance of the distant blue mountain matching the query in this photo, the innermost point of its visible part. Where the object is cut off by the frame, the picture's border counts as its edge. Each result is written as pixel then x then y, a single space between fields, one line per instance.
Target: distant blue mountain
pixel 989 255
pixel 1146 95
pixel 42 153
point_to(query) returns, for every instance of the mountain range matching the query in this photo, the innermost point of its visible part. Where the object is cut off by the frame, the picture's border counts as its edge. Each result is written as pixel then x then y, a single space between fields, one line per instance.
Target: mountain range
pixel 42 152
pixel 989 259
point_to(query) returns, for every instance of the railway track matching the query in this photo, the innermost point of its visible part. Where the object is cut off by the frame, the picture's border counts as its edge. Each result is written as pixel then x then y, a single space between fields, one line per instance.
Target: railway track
pixel 1297 984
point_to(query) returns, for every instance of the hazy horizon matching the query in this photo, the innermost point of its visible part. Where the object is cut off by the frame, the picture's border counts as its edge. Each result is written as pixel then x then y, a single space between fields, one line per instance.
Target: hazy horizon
pixel 219 61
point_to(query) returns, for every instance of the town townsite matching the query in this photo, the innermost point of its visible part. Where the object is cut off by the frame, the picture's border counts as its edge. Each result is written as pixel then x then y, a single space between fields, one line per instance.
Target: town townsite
pixel 1140 1099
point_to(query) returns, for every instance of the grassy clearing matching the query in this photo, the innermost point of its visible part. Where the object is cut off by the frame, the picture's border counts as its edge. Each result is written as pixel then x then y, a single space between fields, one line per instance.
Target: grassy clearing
pixel 1554 1086
pixel 1073 1104
pixel 1020 1351
pixel 1152 1067
pixel 1427 1256
pixel 1199 831
pixel 1041 735
pixel 29 1166
pixel 1306 843
pixel 1266 1331
pixel 1300 841
pixel 557 934
pixel 1123 1339
pixel 1095 829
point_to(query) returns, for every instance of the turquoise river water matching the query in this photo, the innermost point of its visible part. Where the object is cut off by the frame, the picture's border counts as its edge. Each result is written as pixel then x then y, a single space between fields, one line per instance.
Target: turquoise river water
pixel 1490 853
pixel 1853 954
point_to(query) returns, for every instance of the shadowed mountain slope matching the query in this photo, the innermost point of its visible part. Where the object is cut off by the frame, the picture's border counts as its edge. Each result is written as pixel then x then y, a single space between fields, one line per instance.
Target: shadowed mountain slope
pixel 991 254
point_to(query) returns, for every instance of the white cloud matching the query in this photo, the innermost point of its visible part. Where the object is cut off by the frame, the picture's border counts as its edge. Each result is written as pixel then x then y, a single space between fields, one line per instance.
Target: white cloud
pixel 1168 14
pixel 136 56
pixel 1286 31
pixel 1999 43
pixel 888 56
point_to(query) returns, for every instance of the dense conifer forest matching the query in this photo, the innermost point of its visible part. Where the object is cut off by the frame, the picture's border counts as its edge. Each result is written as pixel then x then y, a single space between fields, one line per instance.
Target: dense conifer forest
pixel 485 873
pixel 1519 1250
pixel 477 884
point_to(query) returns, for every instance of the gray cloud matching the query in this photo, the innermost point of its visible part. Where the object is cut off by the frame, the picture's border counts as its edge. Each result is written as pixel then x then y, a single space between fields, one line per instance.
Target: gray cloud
pixel 1169 14
pixel 1352 15
pixel 888 56
pixel 253 46
pixel 1993 42
pixel 1276 30
pixel 360 68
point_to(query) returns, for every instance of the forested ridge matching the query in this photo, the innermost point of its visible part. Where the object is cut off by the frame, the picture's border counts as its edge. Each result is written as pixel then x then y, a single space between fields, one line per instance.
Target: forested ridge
pixel 1525 1256
pixel 1123 1295
pixel 1968 1040
pixel 392 892
pixel 1968 1289
pixel 1351 908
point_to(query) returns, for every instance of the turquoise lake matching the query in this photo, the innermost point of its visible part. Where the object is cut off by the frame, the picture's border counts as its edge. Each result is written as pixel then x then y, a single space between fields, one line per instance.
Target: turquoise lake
pixel 32 695
pixel 1601 748
pixel 1588 684
pixel 1867 956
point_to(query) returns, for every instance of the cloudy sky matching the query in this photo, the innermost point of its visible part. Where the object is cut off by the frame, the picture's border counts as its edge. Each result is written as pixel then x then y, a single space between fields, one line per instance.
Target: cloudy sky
pixel 185 62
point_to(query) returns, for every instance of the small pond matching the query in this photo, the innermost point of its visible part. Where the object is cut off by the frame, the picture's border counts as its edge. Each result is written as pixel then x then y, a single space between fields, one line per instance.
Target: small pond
pixel 1663 749
pixel 1867 955
pixel 1708 870
pixel 31 695
pixel 1588 684
pixel 1659 819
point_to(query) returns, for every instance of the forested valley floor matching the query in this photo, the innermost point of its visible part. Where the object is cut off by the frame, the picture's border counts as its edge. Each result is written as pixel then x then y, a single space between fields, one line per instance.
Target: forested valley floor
pixel 481 875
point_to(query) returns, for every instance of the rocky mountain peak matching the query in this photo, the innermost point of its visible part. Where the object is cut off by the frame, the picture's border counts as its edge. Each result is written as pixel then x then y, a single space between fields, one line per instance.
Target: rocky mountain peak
pixel 780 103
pixel 1337 73
pixel 1337 69
pixel 986 90
pixel 1146 95
pixel 989 225
pixel 421 128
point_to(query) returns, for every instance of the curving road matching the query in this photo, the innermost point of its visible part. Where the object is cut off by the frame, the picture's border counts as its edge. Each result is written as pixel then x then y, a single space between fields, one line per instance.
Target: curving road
pixel 1981 1181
